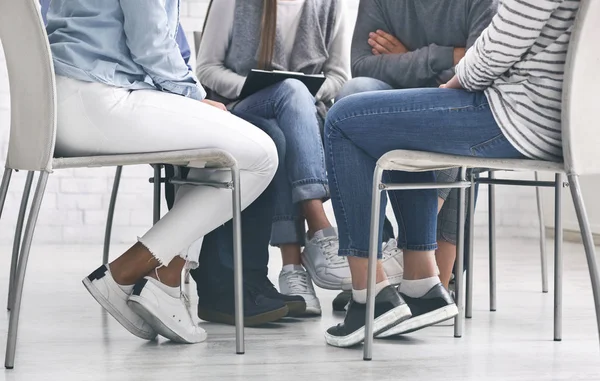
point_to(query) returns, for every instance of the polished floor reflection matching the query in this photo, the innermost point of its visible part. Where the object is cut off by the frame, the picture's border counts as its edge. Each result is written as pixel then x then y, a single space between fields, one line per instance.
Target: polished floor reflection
pixel 65 336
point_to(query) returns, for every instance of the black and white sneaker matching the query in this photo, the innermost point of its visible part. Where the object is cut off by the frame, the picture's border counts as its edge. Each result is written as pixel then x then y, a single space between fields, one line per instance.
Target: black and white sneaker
pixel 434 307
pixel 390 310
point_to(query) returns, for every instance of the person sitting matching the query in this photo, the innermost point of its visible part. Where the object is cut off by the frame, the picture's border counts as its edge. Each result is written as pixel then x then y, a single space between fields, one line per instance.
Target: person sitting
pixel 307 36
pixel 503 102
pixel 123 87
pixel 402 44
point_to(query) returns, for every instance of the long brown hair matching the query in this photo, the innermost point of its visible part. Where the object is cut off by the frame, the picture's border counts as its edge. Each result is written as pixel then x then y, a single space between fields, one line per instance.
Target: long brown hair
pixel 267 36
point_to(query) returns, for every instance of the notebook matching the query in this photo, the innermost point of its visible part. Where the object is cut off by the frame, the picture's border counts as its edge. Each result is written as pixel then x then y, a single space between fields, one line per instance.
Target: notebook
pixel 260 79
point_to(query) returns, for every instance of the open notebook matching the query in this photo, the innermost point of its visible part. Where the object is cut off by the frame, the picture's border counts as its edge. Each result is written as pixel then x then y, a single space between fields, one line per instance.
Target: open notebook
pixel 260 79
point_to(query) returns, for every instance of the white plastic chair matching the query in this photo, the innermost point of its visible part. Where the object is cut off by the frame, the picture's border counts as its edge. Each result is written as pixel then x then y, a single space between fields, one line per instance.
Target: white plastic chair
pixel 32 143
pixel 581 139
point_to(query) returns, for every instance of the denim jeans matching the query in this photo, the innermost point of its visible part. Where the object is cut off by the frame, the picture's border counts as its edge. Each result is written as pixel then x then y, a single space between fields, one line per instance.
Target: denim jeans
pixel 216 256
pixel 302 175
pixel 447 218
pixel 361 128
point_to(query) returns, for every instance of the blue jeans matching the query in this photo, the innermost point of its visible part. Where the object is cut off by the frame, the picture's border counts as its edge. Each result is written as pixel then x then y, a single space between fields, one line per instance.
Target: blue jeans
pixel 447 225
pixel 361 128
pixel 302 175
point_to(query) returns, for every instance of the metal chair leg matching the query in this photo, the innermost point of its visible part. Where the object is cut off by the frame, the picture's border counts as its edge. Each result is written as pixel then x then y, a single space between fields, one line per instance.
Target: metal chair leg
pixel 238 276
pixel 372 268
pixel 111 214
pixel 558 258
pixel 460 257
pixel 11 341
pixel 157 182
pixel 588 242
pixel 492 241
pixel 543 257
pixel 4 187
pixel 17 240
pixel 471 230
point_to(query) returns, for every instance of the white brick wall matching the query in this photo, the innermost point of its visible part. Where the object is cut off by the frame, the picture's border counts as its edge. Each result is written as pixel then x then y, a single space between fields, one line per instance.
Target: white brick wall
pixel 75 205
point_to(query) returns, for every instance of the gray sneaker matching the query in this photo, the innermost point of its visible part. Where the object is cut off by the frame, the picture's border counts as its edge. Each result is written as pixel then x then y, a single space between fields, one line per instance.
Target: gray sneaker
pixel 326 268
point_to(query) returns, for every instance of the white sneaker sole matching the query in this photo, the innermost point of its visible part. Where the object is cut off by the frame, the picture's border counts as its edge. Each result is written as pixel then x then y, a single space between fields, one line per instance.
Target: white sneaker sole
pixel 395 280
pixel 158 320
pixel 325 284
pixel 423 321
pixel 313 311
pixel 382 323
pixel 114 312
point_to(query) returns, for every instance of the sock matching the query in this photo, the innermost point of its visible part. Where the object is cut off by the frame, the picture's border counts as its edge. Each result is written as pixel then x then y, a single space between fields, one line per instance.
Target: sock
pixel 290 268
pixel 174 292
pixel 126 289
pixel 418 288
pixel 360 296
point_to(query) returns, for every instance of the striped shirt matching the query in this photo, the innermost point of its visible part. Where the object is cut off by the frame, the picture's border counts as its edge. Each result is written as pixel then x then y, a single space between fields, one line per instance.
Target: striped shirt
pixel 519 62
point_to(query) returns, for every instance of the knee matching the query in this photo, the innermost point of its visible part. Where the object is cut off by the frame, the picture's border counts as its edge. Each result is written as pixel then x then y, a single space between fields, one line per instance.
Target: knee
pixel 295 91
pixel 360 85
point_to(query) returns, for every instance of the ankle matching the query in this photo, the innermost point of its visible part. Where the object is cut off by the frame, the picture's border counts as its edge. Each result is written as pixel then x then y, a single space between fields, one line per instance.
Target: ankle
pixel 166 276
pixel 122 276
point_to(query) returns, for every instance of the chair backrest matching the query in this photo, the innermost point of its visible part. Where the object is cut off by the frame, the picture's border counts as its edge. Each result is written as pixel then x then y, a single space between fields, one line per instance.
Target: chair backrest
pixel 581 95
pixel 32 86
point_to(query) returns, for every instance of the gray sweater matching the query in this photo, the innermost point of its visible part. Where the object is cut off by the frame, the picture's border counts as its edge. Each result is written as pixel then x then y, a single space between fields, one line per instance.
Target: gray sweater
pixel 430 30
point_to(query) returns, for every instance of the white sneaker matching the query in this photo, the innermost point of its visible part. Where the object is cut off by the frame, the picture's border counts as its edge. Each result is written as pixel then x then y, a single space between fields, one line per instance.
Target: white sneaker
pixel 298 282
pixel 326 268
pixel 113 299
pixel 167 312
pixel 393 262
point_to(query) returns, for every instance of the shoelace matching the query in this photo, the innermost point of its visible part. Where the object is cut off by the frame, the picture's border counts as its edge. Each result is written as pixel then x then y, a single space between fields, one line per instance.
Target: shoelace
pixel 188 305
pixel 331 247
pixel 390 249
pixel 298 282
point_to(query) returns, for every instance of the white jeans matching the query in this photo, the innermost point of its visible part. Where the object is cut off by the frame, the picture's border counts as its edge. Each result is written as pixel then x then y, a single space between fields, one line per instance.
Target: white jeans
pixel 95 119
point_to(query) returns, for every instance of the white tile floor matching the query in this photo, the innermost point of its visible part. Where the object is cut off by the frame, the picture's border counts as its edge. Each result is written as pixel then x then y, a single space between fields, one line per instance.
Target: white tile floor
pixel 65 336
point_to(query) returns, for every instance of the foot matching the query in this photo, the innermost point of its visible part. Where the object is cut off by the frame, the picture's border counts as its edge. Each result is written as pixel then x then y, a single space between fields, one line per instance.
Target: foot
pixel 167 310
pixel 321 260
pixel 390 310
pixel 216 304
pixel 341 301
pixel 392 262
pixel 262 285
pixel 297 282
pixel 434 307
pixel 113 298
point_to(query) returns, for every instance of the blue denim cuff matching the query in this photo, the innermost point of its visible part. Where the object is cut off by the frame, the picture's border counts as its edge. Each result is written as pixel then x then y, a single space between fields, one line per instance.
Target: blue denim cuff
pixel 287 230
pixel 309 189
pixel 356 253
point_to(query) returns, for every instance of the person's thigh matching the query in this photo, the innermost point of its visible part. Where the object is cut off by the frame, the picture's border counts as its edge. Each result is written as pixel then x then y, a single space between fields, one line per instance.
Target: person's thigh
pixel 431 120
pixel 361 85
pixel 94 119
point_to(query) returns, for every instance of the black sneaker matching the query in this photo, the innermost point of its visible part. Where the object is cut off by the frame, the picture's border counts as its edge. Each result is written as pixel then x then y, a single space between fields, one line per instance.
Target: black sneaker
pixel 434 307
pixel 217 305
pixel 341 301
pixel 261 284
pixel 390 310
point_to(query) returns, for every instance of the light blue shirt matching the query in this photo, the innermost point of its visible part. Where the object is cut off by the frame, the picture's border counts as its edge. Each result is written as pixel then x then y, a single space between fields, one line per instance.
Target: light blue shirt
pixel 124 43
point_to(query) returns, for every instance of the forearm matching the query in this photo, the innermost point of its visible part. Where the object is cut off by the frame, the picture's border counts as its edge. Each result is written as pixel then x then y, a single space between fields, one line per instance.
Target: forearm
pixel 419 68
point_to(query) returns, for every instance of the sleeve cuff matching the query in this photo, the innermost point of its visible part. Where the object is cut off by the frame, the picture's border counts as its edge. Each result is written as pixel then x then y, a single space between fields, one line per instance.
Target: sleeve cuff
pixel 441 58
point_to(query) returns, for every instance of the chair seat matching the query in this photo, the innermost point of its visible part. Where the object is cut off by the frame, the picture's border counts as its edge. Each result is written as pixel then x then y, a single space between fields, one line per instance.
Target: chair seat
pixel 417 161
pixel 200 158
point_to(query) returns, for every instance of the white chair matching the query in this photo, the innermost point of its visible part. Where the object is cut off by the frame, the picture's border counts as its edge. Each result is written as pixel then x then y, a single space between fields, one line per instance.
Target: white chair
pixel 581 139
pixel 32 141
